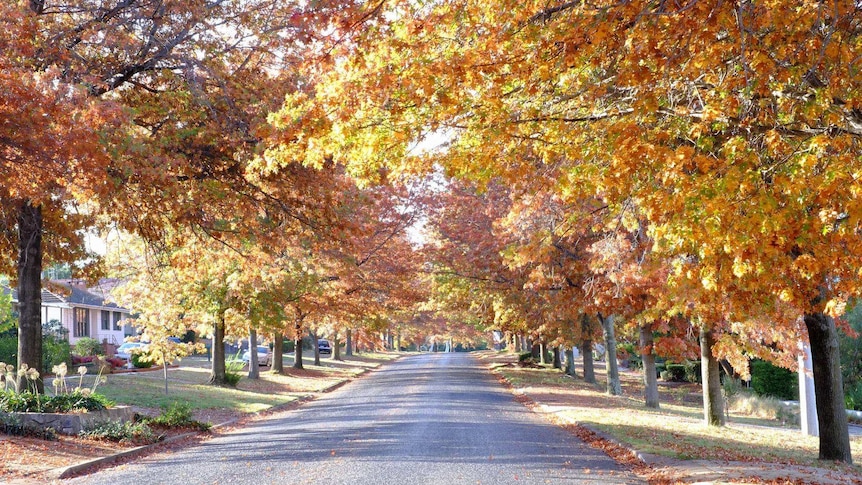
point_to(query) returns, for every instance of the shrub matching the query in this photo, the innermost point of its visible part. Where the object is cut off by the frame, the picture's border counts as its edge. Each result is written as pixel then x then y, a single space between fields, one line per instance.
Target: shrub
pixel 29 402
pixel 122 432
pixel 692 371
pixel 771 380
pixel 9 349
pixel 139 361
pixel 178 415
pixel 88 346
pixel 636 362
pixel 55 351
pixel 731 387
pixel 233 370
pixel 853 397
pixel 673 373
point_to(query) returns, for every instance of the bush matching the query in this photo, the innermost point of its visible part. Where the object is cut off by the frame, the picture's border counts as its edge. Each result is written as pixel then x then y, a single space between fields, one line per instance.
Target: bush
pixel 29 402
pixel 139 362
pixel 233 370
pixel 288 346
pixel 692 371
pixel 9 349
pixel 178 415
pixel 88 346
pixel 122 432
pixel 853 397
pixel 55 351
pixel 771 380
pixel 731 387
pixel 673 373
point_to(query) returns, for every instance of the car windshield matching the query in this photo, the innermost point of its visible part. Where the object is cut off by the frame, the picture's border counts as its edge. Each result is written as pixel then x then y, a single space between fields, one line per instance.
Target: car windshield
pixel 262 350
pixel 129 345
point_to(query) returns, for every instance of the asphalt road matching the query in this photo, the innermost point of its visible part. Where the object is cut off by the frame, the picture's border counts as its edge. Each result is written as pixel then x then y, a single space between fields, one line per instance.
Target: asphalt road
pixel 428 418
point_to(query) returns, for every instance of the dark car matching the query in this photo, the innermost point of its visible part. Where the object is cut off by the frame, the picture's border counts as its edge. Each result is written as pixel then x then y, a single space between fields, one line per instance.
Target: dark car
pixel 323 346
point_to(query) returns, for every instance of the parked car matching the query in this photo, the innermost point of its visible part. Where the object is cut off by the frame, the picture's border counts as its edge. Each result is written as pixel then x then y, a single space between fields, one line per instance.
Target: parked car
pixel 125 351
pixel 323 346
pixel 264 356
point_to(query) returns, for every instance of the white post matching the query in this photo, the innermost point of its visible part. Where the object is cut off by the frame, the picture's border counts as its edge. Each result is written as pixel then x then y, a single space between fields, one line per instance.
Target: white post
pixel 807 403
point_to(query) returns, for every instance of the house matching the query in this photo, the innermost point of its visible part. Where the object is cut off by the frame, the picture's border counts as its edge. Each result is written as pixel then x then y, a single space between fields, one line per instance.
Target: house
pixel 84 311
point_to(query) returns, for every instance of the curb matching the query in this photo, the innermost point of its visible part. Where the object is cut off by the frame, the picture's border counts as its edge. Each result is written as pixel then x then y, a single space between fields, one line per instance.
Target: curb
pixel 71 470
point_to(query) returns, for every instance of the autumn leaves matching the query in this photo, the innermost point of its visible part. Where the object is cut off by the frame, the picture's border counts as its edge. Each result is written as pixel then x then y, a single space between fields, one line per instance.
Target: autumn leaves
pixel 691 164
pixel 713 149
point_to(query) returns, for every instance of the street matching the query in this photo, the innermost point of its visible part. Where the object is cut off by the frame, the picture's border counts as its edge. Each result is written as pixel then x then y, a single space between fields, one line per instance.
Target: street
pixel 427 418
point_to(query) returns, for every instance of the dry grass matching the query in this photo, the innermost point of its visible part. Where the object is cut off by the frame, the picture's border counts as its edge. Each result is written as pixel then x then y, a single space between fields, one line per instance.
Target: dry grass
pixel 755 431
pixel 764 407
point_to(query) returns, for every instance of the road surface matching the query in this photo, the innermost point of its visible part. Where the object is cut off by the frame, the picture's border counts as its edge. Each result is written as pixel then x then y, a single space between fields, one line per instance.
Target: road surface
pixel 424 419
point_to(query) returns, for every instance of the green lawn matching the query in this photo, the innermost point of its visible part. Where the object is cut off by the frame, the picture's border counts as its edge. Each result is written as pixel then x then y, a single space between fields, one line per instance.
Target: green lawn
pixel 189 383
pixel 146 391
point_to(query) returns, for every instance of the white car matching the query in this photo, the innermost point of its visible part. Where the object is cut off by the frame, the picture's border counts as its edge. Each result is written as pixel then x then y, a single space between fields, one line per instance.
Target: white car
pixel 125 351
pixel 264 357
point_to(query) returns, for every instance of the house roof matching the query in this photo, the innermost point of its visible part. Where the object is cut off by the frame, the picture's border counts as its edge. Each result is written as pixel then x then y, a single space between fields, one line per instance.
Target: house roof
pixel 74 292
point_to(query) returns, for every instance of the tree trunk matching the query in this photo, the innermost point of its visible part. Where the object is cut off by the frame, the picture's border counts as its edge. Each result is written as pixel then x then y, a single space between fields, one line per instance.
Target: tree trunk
pixel 517 339
pixel 543 353
pixel 297 344
pixel 558 364
pixel 278 353
pixel 336 347
pixel 570 362
pixel 30 288
pixel 713 401
pixel 253 362
pixel 614 386
pixel 536 351
pixel 587 349
pixel 398 341
pixel 313 334
pixel 219 371
pixel 650 380
pixel 348 343
pixel 828 388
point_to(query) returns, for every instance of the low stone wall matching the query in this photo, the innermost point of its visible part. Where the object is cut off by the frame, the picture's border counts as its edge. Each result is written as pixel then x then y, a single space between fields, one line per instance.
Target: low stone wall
pixel 73 423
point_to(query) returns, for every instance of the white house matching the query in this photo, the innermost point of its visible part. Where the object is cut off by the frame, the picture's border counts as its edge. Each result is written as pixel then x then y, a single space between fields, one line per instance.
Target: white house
pixel 84 311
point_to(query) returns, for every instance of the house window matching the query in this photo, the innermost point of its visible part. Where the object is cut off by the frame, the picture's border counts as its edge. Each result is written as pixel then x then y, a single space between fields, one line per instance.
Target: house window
pixel 82 322
pixel 117 317
pixel 106 320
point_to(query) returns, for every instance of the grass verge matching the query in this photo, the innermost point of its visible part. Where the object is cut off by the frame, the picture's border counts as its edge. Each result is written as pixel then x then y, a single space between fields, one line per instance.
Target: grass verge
pixel 676 430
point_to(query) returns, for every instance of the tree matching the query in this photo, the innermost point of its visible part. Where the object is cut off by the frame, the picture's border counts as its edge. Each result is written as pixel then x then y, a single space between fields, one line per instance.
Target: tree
pixel 732 129
pixel 155 107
